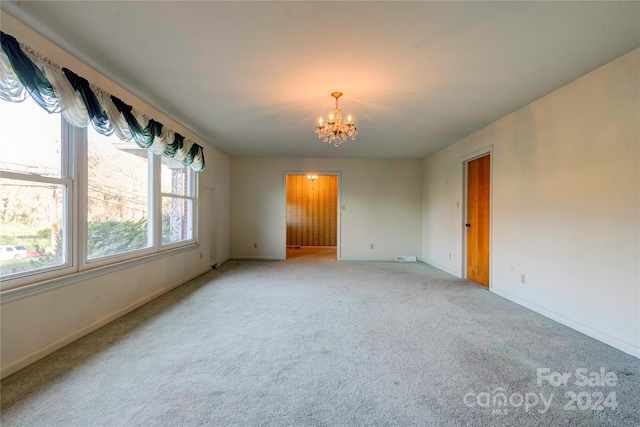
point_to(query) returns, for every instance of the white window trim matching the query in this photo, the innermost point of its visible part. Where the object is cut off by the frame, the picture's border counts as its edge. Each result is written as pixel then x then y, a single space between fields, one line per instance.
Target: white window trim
pixel 67 179
pixel 76 268
pixel 192 194
pixel 87 264
pixel 18 291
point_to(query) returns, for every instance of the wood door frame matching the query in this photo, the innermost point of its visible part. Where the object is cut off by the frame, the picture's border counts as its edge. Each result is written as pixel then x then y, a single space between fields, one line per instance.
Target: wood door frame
pixel 465 182
pixel 338 210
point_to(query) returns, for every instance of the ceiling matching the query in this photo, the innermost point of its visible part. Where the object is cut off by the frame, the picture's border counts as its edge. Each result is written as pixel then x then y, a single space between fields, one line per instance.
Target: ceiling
pixel 252 78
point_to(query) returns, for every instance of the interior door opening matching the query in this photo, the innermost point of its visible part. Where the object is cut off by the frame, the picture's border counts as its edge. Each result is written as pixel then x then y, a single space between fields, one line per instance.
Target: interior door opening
pixel 312 215
pixel 478 219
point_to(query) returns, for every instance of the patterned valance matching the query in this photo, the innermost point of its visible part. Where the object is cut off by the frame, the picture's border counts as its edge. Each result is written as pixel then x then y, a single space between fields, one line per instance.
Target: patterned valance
pixel 24 72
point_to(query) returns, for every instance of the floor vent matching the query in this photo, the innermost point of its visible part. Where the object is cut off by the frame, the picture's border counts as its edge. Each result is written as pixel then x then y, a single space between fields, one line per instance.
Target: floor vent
pixel 406 258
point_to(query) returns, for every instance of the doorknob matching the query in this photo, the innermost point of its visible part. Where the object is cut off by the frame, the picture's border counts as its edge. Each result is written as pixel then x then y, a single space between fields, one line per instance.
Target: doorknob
pixel 468 225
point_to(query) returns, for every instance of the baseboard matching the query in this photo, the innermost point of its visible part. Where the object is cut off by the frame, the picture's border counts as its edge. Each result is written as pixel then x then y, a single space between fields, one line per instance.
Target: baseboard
pixel 442 267
pixel 23 362
pixel 263 258
pixel 580 327
pixel 219 263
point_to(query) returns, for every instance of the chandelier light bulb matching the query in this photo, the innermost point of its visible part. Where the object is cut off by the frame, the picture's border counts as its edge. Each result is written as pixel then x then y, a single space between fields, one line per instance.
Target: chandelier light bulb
pixel 335 131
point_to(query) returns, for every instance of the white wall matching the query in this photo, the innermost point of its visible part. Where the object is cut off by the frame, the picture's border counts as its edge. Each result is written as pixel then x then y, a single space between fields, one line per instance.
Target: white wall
pixel 566 205
pixel 35 324
pixel 382 206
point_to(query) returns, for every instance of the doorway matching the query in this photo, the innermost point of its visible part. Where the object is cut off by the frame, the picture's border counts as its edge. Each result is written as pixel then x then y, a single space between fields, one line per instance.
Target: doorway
pixel 478 219
pixel 312 215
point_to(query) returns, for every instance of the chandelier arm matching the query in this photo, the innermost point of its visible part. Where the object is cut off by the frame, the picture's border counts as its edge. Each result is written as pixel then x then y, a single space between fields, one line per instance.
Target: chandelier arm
pixel 335 131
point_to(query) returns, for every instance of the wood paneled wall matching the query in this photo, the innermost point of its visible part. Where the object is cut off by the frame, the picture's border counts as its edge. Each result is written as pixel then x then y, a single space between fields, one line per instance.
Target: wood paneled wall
pixel 312 211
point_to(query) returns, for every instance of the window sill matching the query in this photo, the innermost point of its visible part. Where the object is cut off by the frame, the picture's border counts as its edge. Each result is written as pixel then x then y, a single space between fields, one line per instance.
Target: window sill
pixel 24 291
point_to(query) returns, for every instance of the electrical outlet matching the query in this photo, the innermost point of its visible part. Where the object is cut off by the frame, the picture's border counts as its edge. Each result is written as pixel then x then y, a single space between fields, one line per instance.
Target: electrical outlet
pixel 344 207
pixel 523 279
pixel 255 246
pixel 200 255
pixel 449 255
pixel 372 246
pixel 458 204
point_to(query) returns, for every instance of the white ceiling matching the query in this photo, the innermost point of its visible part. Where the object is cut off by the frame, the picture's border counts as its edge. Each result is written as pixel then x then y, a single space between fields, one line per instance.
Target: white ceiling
pixel 253 77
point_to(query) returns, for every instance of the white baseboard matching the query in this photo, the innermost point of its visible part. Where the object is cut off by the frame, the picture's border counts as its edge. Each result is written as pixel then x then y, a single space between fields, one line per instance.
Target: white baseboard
pixel 219 263
pixel 36 355
pixel 442 267
pixel 263 258
pixel 580 327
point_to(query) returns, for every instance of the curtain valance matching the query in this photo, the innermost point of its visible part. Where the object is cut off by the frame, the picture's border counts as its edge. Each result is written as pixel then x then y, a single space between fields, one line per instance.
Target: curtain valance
pixel 24 72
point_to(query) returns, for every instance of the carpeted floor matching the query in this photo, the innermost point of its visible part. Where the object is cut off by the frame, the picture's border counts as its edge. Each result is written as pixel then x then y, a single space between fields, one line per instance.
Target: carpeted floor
pixel 312 341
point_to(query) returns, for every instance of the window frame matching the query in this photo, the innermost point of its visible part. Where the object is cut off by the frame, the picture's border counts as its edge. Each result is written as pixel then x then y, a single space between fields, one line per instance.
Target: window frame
pixel 74 176
pixel 67 179
pixel 85 262
pixel 192 195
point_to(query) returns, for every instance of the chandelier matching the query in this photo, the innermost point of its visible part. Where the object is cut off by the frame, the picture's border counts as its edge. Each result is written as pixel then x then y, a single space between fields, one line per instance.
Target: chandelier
pixel 335 130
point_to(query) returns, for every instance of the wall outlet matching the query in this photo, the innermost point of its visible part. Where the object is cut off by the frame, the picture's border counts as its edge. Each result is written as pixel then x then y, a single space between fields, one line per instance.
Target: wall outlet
pixel 523 279
pixel 255 246
pixel 200 255
pixel 372 246
pixel 449 255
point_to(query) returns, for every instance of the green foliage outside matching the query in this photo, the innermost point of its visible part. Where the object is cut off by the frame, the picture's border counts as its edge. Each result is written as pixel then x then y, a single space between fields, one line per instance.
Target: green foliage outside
pixel 37 243
pixel 103 238
pixel 34 243
pixel 112 237
pixel 45 232
pixel 166 230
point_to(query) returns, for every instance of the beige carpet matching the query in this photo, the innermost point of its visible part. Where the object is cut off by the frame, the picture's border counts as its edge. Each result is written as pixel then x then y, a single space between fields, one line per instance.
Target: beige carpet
pixel 312 341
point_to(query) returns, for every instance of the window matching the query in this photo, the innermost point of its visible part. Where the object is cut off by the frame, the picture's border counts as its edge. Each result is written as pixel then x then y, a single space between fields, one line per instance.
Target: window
pixel 35 189
pixel 118 196
pixel 73 199
pixel 178 201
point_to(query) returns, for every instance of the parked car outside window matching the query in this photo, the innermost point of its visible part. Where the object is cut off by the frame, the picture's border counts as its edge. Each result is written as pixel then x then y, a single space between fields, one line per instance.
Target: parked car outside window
pixel 12 252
